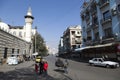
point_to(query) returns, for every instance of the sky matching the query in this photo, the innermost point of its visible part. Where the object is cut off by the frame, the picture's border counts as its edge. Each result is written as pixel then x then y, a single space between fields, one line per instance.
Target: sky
pixel 52 17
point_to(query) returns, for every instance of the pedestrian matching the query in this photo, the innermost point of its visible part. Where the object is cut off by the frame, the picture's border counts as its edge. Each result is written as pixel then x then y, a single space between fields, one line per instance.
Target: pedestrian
pixel 41 66
pixel 36 68
pixel 45 67
pixel 66 66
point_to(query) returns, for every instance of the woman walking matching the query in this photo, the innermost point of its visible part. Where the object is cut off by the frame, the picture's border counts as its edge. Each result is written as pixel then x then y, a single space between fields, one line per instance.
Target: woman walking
pixel 45 67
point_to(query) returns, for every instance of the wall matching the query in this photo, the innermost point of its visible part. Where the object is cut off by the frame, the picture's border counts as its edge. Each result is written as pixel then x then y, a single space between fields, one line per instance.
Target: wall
pixel 10 44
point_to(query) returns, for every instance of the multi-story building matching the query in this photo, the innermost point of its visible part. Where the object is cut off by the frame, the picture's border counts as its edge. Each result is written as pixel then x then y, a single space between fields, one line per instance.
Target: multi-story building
pixel 71 39
pixel 60 46
pixel 100 22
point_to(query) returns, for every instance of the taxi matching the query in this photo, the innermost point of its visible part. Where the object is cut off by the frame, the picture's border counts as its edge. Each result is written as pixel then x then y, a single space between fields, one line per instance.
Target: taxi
pixel 37 59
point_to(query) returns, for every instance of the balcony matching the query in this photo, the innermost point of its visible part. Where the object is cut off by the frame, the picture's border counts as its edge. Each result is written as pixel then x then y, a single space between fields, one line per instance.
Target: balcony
pixel 94 8
pixel 108 39
pixel 73 41
pixel 88 28
pixel 78 41
pixel 106 20
pixel 77 34
pixel 103 3
pixel 93 11
pixel 87 17
pixel 95 25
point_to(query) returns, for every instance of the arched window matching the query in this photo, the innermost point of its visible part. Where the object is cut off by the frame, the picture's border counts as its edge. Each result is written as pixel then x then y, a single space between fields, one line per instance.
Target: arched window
pixel 20 34
pixel 14 33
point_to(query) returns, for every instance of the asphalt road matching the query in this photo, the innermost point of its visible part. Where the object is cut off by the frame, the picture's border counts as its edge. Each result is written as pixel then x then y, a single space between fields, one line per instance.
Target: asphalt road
pixel 83 71
pixel 77 71
pixel 26 71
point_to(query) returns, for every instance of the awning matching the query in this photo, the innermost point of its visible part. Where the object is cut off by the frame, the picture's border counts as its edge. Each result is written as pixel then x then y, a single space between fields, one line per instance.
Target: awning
pixel 91 47
pixel 36 53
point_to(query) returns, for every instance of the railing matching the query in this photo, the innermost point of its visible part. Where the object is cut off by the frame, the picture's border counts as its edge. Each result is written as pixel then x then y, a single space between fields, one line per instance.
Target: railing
pixel 103 3
pixel 105 20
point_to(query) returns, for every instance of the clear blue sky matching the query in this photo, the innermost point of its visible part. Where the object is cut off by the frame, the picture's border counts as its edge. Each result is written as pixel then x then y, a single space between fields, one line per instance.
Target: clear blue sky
pixel 52 17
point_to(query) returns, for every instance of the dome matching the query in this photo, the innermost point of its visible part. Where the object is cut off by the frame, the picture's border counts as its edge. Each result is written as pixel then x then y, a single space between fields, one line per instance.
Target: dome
pixel 4 26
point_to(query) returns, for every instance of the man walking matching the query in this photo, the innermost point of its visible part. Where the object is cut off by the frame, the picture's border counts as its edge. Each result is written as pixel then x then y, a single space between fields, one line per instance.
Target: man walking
pixel 66 66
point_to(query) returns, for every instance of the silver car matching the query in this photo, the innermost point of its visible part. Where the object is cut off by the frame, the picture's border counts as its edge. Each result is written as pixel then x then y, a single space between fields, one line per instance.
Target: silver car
pixel 102 62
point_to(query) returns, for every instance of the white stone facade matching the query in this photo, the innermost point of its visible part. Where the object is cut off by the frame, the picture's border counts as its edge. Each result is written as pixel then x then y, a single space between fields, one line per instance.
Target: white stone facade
pixel 72 38
pixel 24 32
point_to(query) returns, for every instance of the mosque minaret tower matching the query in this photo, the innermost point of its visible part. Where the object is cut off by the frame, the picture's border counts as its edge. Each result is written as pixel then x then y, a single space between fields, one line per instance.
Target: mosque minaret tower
pixel 28 25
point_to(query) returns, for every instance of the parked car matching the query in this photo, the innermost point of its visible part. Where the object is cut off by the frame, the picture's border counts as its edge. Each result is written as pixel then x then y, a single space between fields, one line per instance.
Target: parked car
pixel 18 56
pixel 102 62
pixel 12 60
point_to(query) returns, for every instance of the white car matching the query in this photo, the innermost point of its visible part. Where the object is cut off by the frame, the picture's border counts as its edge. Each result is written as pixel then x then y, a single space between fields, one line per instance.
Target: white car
pixel 102 62
pixel 12 60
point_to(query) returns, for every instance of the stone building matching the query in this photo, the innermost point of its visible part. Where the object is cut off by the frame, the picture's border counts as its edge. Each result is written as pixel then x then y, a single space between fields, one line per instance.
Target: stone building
pixel 17 39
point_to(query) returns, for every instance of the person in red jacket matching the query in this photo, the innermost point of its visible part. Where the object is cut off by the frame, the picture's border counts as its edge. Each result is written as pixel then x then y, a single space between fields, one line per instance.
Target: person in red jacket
pixel 45 67
pixel 36 68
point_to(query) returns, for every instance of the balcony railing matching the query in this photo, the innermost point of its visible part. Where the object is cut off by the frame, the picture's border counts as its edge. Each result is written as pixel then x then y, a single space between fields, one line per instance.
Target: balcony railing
pixel 78 41
pixel 103 3
pixel 77 34
pixel 106 20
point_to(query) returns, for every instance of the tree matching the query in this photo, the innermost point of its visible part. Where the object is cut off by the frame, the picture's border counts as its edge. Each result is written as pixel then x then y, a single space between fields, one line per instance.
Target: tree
pixel 40 45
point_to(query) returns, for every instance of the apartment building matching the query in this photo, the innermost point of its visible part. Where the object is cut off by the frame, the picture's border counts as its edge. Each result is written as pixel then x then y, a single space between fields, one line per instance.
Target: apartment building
pixel 100 20
pixel 100 23
pixel 72 39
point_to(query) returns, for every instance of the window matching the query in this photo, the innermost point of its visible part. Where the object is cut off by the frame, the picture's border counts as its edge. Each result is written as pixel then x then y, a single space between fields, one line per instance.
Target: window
pixel 95 60
pixel 108 32
pixel 95 20
pixel 106 15
pixel 14 33
pixel 20 34
pixel 78 32
pixel 73 32
pixel 97 36
pixel 83 29
pixel 119 7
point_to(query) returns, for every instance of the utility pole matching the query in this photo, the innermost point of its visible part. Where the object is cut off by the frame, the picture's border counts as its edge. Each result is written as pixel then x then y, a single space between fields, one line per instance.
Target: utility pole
pixel 35 37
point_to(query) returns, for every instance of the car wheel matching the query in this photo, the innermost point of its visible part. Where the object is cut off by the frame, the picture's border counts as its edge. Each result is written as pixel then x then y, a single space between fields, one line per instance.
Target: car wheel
pixel 91 64
pixel 116 66
pixel 107 66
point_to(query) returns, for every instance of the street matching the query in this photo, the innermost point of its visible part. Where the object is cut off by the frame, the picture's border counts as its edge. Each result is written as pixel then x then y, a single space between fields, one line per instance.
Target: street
pixel 83 71
pixel 77 71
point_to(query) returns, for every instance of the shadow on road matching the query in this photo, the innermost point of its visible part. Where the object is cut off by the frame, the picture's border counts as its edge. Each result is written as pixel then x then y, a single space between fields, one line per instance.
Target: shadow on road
pixel 77 59
pixel 25 74
pixel 59 70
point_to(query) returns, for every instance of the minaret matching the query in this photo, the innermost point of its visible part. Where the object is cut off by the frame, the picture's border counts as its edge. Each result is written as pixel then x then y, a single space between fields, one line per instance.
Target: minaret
pixel 28 25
